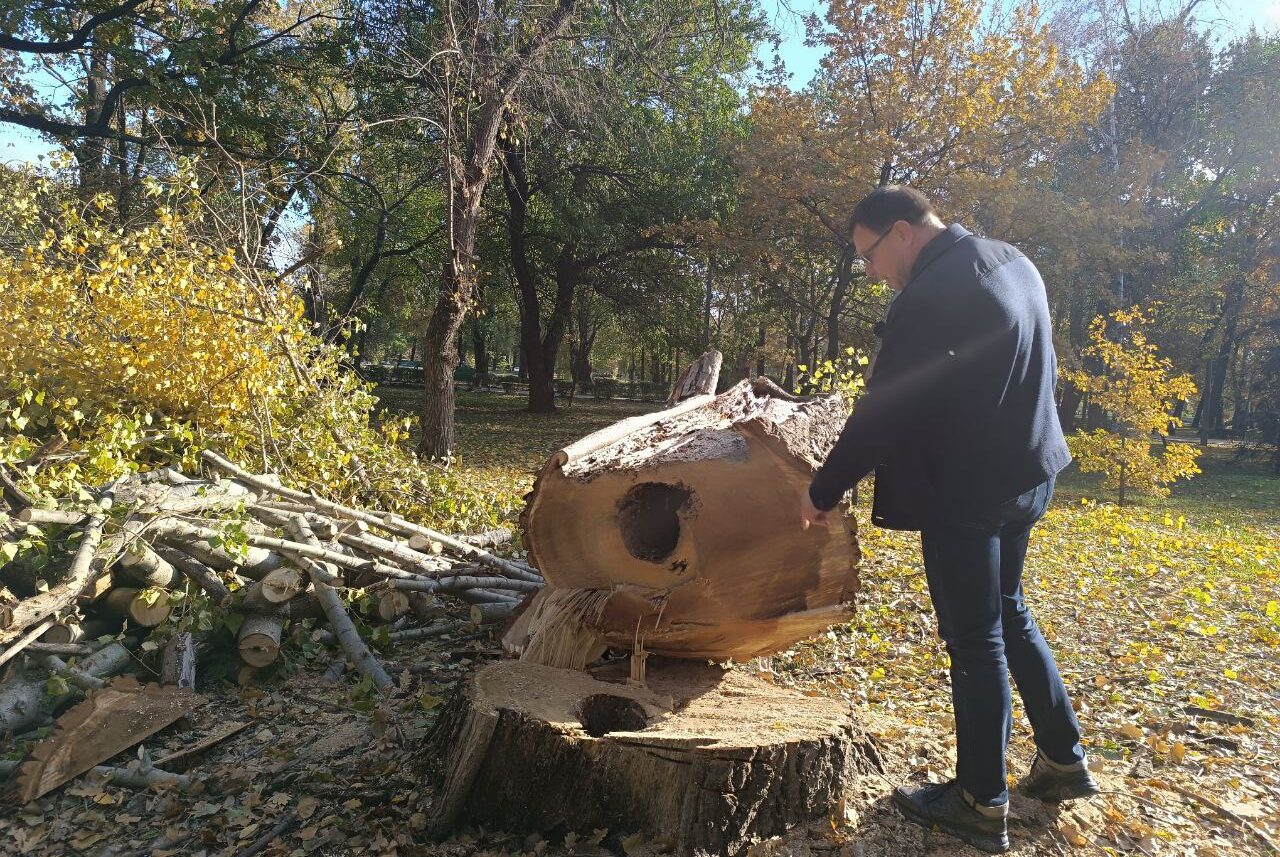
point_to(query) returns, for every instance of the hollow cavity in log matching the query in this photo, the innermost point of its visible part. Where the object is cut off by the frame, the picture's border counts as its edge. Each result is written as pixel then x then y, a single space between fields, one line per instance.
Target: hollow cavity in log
pixel 649 518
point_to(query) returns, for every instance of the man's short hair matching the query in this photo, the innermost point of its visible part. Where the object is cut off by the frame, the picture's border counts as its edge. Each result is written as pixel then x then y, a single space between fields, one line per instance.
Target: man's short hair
pixel 886 205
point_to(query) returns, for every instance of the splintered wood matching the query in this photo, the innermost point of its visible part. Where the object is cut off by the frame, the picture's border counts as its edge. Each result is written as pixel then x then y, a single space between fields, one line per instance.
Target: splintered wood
pixel 678 533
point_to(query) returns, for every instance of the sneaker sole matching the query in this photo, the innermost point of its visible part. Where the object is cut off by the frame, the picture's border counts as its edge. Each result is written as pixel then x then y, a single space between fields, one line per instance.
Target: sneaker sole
pixel 982 841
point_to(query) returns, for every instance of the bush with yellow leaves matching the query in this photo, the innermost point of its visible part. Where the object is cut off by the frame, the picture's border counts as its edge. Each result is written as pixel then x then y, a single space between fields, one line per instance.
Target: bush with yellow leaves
pixel 1137 388
pixel 126 348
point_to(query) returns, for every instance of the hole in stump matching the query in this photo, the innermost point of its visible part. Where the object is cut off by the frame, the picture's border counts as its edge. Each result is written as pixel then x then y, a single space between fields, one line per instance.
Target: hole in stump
pixel 648 516
pixel 602 713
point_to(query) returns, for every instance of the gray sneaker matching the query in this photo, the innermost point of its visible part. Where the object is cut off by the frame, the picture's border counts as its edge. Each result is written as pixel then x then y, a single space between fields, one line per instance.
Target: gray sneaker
pixel 953 810
pixel 1053 782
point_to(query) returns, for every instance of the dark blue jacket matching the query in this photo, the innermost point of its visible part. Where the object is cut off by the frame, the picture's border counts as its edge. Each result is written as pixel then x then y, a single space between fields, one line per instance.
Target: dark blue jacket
pixel 959 412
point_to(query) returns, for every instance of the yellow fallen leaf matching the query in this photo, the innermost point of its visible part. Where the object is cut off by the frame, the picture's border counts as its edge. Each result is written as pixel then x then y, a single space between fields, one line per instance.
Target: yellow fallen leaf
pixel 1132 731
pixel 1072 834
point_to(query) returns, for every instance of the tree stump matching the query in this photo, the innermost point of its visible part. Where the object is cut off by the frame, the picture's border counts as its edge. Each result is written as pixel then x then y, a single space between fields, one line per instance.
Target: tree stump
pixel 679 533
pixel 708 759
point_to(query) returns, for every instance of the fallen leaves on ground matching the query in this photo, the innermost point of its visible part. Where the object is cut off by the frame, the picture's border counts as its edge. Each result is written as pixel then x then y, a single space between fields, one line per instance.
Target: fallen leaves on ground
pixel 1165 619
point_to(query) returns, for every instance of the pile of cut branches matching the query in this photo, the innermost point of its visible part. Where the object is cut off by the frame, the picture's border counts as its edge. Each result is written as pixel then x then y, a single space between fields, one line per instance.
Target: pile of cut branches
pixel 260 555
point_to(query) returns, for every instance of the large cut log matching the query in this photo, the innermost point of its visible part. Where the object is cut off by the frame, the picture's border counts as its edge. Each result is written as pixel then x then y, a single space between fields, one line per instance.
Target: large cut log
pixel 679 533
pixel 24 700
pixel 706 759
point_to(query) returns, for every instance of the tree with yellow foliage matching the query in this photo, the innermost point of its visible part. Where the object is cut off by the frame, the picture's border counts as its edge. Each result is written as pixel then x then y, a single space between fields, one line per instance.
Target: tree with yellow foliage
pixel 126 349
pixel 968 107
pixel 1136 387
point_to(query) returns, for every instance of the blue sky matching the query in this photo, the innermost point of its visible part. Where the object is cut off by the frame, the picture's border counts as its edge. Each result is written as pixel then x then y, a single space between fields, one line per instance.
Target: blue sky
pixel 1236 16
pixel 1233 16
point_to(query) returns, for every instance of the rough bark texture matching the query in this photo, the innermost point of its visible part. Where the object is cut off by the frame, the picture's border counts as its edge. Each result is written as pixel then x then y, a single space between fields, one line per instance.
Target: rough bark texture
pixel 679 533
pixel 709 759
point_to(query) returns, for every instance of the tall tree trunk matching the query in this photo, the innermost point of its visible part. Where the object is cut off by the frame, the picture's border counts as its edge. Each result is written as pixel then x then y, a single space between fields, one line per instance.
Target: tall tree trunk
pixel 580 348
pixel 480 344
pixel 542 368
pixel 1211 418
pixel 466 188
pixel 91 152
pixel 439 360
pixel 1071 397
pixel 844 275
pixel 760 343
pixel 789 376
pixel 706 309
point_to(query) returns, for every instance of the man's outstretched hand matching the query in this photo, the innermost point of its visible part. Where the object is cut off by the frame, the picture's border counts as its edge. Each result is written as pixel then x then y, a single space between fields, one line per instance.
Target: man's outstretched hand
pixel 809 513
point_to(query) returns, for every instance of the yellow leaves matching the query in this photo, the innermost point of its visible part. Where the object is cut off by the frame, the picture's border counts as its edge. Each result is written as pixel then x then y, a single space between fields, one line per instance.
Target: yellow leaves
pixel 167 324
pixel 1071 832
pixel 1132 731
pixel 1137 388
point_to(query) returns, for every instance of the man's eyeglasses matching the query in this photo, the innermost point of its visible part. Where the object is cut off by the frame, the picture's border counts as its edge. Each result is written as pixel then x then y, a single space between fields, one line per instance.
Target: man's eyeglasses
pixel 866 256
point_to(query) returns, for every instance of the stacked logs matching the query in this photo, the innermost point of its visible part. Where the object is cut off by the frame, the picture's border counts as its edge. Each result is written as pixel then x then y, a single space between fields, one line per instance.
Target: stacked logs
pixel 266 552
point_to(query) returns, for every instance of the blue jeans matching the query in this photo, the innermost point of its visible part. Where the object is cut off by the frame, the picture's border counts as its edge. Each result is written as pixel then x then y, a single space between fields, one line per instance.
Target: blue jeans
pixel 973 562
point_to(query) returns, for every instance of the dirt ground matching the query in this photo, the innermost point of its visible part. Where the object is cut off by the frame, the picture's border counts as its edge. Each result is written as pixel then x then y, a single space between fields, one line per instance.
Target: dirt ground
pixel 323 769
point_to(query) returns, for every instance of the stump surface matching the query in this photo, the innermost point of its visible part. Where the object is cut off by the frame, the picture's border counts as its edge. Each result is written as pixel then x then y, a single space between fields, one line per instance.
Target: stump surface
pixel 709 758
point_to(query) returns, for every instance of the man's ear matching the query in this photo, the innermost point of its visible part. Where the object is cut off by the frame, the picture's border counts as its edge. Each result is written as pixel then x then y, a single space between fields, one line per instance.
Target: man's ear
pixel 903 229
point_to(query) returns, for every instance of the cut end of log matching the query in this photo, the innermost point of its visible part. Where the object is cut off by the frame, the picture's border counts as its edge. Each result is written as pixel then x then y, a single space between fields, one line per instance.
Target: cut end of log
pixel 137 606
pixel 682 531
pixel 259 640
pixel 391 605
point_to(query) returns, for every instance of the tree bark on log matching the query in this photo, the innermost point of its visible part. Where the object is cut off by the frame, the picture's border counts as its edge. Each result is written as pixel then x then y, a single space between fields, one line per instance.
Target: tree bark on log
pixel 36 609
pixel 390 523
pixel 708 759
pixel 199 573
pixel 679 533
pixel 24 703
pixel 33 515
pixel 492 612
pixel 193 541
pixel 147 567
pixel 178 665
pixel 127 777
pixel 336 612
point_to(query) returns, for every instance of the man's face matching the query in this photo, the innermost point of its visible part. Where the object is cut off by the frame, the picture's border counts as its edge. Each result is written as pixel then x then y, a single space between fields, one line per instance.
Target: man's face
pixel 886 255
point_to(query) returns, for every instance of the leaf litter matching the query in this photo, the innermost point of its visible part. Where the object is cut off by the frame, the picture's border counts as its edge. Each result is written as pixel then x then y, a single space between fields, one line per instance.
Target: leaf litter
pixel 1164 618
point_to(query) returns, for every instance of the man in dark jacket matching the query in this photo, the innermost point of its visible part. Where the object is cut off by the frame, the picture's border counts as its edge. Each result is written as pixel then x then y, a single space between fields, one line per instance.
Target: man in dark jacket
pixel 959 424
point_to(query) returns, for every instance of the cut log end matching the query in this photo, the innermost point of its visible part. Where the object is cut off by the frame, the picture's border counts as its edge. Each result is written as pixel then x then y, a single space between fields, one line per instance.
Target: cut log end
pixel 139 607
pixel 391 605
pixel 682 532
pixel 710 758
pixel 259 640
